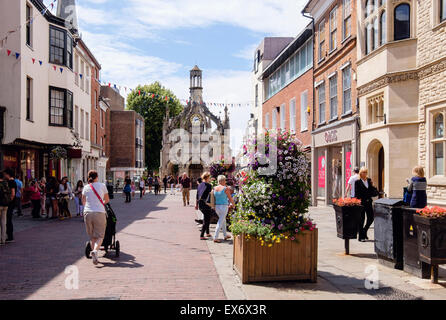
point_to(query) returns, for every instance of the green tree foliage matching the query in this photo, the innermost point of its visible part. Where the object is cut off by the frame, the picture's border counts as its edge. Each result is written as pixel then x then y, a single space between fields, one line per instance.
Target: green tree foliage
pixel 153 110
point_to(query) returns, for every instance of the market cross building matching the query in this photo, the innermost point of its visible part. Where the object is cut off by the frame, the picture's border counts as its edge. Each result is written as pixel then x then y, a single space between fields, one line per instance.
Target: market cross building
pixel 196 118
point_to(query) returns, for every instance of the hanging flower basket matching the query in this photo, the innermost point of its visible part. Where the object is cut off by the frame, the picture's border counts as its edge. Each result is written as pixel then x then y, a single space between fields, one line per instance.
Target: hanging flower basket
pixel 58 153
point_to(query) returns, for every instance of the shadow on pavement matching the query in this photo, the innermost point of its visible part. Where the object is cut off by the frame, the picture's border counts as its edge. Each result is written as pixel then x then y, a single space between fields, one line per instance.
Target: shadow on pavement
pixel 123 261
pixel 41 253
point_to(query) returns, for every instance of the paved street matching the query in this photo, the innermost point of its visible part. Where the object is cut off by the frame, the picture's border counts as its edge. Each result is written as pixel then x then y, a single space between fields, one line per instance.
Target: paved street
pixel 163 258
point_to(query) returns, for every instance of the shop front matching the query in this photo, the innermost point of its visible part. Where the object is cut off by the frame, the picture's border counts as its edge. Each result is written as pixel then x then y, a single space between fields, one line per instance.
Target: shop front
pixel 335 154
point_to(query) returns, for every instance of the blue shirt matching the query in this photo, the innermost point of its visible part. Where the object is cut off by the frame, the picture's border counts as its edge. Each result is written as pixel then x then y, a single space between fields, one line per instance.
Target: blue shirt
pixel 18 193
pixel 221 198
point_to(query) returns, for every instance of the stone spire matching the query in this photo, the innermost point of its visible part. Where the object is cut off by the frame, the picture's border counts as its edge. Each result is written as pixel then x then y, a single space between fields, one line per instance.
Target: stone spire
pixel 196 85
pixel 66 9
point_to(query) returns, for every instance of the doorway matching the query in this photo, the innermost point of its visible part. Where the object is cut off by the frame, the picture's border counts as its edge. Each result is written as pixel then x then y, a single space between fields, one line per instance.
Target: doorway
pixel 376 166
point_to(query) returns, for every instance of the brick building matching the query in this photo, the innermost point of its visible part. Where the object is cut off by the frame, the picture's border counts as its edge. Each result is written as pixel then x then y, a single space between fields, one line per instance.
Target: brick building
pixel 127 139
pixel 288 88
pixel 335 136
pixel 431 64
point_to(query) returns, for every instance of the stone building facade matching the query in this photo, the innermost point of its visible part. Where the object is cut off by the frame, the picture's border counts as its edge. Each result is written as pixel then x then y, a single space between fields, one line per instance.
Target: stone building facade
pixel 431 63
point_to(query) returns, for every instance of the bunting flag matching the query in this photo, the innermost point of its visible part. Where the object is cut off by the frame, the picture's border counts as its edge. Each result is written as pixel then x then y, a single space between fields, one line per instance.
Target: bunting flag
pixel 40 61
pixel 61 70
pixel 34 60
pixel 8 52
pixel 54 67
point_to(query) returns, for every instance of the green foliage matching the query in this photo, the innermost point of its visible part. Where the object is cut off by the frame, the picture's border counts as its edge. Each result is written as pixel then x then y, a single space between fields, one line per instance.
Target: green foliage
pixel 153 110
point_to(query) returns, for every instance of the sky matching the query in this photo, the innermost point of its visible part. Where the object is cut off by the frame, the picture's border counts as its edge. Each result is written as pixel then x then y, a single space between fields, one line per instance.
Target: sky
pixel 142 41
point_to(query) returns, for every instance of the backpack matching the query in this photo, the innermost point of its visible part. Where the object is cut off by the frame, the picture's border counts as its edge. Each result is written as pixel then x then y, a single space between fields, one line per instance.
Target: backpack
pixel 5 194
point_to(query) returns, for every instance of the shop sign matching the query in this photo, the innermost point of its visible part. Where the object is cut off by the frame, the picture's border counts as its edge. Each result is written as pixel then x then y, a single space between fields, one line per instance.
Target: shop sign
pixel 10 161
pixel 321 172
pixel 331 136
pixel 348 166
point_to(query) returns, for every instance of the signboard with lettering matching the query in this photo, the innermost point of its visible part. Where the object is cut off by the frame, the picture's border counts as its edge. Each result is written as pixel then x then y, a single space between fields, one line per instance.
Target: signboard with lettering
pixel 321 171
pixel 331 136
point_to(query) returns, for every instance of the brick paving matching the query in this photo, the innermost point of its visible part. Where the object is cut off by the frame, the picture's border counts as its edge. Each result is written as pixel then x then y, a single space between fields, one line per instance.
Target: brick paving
pixel 161 257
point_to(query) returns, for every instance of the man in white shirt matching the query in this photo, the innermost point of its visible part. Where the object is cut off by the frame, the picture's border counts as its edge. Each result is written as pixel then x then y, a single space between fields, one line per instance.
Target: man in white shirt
pixel 351 183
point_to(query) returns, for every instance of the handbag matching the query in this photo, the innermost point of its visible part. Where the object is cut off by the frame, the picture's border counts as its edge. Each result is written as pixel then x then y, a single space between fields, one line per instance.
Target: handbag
pixel 108 209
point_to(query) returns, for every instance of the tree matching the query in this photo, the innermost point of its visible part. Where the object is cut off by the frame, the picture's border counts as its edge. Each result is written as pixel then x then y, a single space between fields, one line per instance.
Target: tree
pixel 153 109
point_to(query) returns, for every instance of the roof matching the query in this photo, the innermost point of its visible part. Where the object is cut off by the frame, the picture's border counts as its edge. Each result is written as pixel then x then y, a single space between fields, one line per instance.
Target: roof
pixel 196 68
pixel 288 51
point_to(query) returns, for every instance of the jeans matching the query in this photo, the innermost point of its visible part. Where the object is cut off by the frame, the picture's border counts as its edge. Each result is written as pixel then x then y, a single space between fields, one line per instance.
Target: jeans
pixel 141 192
pixel 186 195
pixel 128 197
pixel 3 214
pixel 207 213
pixel 36 208
pixel 222 212
pixel 79 206
pixel 18 205
pixel 9 225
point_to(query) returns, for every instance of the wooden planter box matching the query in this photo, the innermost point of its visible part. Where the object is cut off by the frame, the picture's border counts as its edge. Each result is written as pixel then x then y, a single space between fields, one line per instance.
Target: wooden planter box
pixel 431 239
pixel 288 260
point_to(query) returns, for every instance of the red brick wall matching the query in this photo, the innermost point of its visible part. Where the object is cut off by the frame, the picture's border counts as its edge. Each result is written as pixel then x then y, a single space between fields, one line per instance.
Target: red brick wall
pixel 293 91
pixel 96 111
pixel 123 138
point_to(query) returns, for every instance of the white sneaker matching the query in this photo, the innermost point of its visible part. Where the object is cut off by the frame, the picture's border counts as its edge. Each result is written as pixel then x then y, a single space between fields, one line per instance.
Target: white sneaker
pixel 94 256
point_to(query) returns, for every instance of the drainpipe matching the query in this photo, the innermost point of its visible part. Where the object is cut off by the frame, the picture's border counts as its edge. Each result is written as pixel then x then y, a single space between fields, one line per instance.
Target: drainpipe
pixel 313 125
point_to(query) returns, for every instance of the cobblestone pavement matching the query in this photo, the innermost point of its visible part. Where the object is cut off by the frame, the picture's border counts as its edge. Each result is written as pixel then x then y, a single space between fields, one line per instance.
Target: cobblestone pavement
pixel 161 257
pixel 340 277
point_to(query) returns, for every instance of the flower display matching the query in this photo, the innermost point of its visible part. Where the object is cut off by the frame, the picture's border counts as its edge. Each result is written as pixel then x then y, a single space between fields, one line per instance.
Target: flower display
pixel 432 212
pixel 347 202
pixel 274 207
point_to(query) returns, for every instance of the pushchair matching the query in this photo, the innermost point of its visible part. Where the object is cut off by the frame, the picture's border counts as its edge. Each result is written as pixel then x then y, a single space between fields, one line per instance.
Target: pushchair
pixel 109 242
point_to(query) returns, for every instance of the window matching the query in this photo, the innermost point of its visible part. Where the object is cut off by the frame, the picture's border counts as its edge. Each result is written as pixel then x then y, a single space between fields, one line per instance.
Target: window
pixel 293 115
pixel 102 118
pixel 375 34
pixel 267 121
pixel 29 16
pixel 87 80
pixel 402 22
pixel 257 95
pixel 438 144
pixel 347 19
pixel 95 138
pixel 321 97
pixel 76 69
pixel 82 74
pixel 61 107
pixel 375 109
pixel 29 99
pixel 61 47
pixel 442 10
pixel 333 29
pixel 366 39
pixel 321 40
pixel 87 126
pixel 347 89
pixel 96 100
pixel 274 120
pixel 439 126
pixel 82 131
pixel 333 97
pixel 383 28
pixel 303 111
pixel 76 119
pixel 283 117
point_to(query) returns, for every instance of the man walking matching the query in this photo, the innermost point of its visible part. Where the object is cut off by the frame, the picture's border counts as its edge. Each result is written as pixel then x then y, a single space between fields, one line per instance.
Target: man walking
pixel 185 185
pixel 165 180
pixel 18 196
pixel 8 175
pixel 351 183
pixel 150 182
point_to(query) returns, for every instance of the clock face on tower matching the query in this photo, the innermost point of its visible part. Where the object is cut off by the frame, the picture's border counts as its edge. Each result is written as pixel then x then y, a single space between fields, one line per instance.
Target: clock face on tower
pixel 196 119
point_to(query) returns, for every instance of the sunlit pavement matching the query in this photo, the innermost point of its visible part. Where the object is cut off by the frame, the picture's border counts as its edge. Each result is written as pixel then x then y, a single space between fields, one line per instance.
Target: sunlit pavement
pixel 161 257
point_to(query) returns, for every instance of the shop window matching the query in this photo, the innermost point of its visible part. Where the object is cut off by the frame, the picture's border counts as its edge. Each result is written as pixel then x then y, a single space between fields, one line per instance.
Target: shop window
pixel 402 22
pixel 322 168
pixel 375 110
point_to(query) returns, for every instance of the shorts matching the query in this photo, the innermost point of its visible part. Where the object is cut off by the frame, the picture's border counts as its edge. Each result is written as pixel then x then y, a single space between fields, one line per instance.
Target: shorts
pixel 95 223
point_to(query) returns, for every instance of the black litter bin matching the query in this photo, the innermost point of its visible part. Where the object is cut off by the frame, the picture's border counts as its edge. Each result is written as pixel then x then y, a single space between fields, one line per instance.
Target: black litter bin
pixel 110 191
pixel 389 232
pixel 412 263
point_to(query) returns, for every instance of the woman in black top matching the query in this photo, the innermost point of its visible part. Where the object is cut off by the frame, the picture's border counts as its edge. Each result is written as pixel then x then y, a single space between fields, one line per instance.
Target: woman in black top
pixel 203 194
pixel 365 191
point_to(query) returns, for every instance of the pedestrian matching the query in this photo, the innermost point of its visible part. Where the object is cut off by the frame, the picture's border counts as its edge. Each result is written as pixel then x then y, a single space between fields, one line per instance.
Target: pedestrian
pixel 418 186
pixel 142 187
pixel 185 187
pixel 127 190
pixel 6 198
pixel 165 184
pixel 150 182
pixel 42 188
pixel 8 176
pixel 172 185
pixel 351 183
pixel 198 221
pixel 203 200
pixel 78 198
pixel 133 187
pixel 223 196
pixel 35 199
pixel 365 191
pixel 156 183
pixel 65 194
pixel 18 196
pixel 52 189
pixel 94 198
